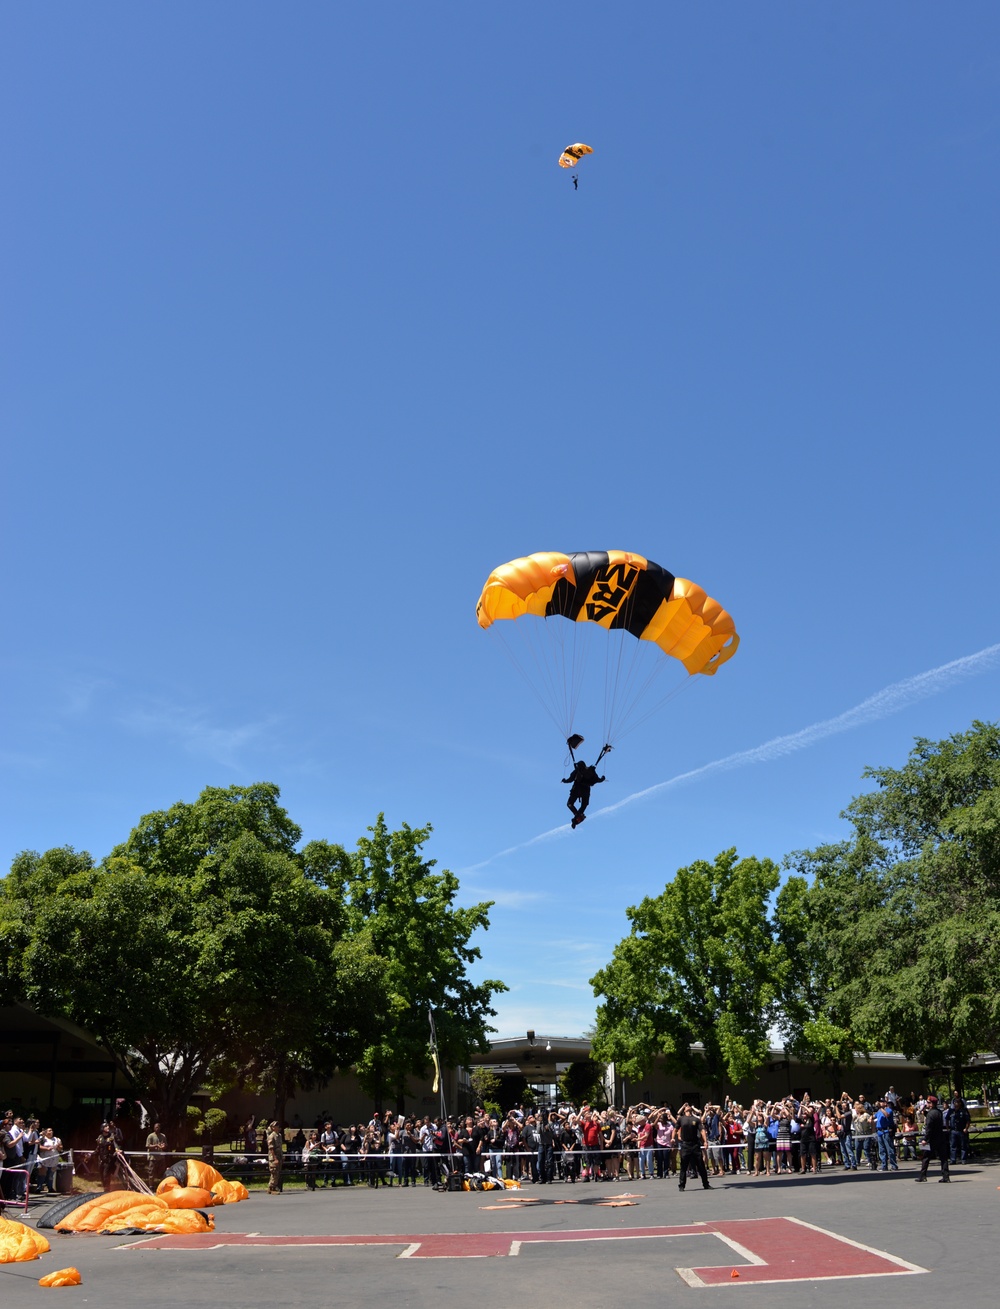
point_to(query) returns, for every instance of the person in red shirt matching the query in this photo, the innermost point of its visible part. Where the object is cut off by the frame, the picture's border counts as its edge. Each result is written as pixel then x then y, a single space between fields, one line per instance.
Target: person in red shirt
pixel 590 1131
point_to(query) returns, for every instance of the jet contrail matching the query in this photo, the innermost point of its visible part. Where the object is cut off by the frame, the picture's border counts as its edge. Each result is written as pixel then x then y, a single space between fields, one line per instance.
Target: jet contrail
pixel 890 700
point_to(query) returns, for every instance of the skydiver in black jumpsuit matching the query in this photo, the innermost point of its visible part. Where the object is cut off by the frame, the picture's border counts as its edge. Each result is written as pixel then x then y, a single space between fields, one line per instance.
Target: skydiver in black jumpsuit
pixel 582 778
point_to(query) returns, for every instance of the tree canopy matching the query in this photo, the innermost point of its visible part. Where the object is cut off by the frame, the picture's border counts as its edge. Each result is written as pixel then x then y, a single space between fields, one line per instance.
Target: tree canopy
pixel 423 938
pixel 206 947
pixel 700 965
pixel 909 906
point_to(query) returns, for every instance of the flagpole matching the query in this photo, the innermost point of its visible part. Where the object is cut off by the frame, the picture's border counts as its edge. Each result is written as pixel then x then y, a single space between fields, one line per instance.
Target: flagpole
pixel 439 1086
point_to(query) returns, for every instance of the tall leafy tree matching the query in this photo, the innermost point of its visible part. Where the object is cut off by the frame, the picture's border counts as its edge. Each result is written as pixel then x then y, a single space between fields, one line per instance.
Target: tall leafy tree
pixel 811 1015
pixel 916 942
pixel 200 943
pixel 423 939
pixel 701 964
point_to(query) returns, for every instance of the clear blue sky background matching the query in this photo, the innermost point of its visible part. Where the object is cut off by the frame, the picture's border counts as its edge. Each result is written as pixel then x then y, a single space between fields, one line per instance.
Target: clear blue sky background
pixel 304 332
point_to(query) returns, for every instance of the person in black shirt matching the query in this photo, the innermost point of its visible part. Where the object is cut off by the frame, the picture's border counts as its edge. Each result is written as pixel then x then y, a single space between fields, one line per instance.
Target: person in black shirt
pixel 692 1135
pixel 845 1125
pixel 582 778
pixel 959 1119
pixel 546 1144
pixel 935 1144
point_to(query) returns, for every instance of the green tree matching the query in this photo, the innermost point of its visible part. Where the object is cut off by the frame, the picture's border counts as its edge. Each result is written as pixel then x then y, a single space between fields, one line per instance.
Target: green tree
pixel 200 944
pixel 811 1017
pixel 486 1087
pixel 915 943
pixel 701 964
pixel 583 1083
pixel 422 938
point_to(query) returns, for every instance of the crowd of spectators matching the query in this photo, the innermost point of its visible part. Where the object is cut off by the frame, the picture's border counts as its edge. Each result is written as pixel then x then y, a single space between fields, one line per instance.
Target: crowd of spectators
pixel 642 1143
pixel 565 1144
pixel 29 1155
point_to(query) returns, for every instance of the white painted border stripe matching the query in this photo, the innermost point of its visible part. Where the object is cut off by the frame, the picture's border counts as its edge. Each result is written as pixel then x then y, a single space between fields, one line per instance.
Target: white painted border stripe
pixel 860 1245
pixel 741 1250
pixel 692 1278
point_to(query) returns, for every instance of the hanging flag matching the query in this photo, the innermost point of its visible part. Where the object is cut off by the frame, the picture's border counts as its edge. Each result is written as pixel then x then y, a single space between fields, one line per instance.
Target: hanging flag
pixel 434 1052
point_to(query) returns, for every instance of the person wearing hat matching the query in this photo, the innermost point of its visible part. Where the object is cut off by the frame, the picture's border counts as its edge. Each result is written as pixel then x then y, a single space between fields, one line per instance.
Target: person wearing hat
pixel 106 1152
pixel 275 1158
pixel 935 1144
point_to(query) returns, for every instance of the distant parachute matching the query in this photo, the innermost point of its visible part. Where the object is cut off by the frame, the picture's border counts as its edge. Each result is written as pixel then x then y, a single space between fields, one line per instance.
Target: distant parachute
pixel 572 155
pixel 645 610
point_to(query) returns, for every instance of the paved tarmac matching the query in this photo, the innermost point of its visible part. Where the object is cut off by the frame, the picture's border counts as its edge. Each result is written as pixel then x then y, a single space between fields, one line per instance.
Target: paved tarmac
pixel 417 1247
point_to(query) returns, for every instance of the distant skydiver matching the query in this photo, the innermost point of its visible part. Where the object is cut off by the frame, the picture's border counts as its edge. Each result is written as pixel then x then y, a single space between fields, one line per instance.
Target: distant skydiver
pixel 581 779
pixel 576 182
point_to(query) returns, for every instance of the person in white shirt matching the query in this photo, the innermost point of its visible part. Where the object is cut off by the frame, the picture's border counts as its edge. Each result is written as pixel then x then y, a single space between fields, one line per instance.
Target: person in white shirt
pixel 49 1147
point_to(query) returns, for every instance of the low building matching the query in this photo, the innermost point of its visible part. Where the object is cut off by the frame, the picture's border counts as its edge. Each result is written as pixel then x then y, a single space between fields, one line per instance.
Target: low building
pixel 538 1061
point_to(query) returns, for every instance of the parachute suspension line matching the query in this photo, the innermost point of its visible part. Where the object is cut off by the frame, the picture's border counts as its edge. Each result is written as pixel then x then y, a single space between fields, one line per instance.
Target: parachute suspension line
pixel 551 661
pixel 654 708
pixel 568 639
pixel 518 665
pixel 645 667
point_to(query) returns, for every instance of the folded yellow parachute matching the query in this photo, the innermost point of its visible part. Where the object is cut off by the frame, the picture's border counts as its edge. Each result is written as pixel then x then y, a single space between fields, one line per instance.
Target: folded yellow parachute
pixel 184 1197
pixel 19 1243
pixel 122 1211
pixel 619 591
pixel 194 1174
pixel 62 1277
pixel 573 154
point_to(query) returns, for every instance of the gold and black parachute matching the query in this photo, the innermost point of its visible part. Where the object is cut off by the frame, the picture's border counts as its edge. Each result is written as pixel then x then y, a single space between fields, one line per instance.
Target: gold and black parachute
pixel 645 610
pixel 619 591
pixel 572 155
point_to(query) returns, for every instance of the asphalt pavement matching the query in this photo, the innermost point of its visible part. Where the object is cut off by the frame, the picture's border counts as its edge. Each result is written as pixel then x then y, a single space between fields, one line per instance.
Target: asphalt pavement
pixel 791 1241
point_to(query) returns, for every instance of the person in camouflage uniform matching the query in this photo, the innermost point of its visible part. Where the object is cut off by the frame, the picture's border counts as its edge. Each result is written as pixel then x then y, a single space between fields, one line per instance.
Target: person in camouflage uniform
pixel 275 1157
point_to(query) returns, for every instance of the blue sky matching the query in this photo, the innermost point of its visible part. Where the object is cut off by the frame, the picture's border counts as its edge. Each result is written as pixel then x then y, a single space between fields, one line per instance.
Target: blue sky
pixel 305 332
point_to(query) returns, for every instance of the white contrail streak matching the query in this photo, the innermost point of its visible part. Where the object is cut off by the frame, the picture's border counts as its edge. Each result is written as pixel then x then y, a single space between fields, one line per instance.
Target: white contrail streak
pixel 890 700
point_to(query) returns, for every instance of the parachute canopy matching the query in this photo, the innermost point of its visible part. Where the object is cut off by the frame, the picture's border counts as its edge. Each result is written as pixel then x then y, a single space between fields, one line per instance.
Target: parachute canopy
pixel 62 1277
pixel 645 613
pixel 572 155
pixel 617 590
pixel 19 1243
pixel 123 1211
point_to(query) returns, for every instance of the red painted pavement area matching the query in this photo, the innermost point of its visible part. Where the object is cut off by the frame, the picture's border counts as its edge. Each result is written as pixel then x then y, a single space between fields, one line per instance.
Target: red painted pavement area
pixel 759 1249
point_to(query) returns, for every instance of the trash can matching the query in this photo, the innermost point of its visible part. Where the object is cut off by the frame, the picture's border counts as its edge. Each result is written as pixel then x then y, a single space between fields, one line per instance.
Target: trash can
pixel 64 1178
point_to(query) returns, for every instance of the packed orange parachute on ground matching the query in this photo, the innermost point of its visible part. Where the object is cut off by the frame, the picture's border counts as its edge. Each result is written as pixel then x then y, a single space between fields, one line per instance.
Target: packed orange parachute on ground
pixel 124 1211
pixel 62 1277
pixel 191 1174
pixel 176 1196
pixel 19 1243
